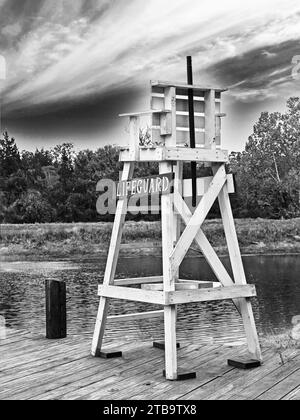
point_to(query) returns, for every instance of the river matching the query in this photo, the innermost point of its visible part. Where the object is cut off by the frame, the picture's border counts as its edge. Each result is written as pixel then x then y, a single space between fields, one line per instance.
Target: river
pixel 276 278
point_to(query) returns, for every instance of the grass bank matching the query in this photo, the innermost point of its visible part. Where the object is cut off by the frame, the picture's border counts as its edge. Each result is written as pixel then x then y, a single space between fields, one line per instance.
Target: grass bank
pixel 68 240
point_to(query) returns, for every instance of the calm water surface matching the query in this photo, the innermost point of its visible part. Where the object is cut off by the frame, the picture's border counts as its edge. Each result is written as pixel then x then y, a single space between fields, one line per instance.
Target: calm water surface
pixel 276 277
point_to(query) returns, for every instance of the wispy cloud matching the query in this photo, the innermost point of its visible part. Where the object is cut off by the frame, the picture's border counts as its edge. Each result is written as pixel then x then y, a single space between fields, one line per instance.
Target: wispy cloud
pixel 254 76
pixel 67 50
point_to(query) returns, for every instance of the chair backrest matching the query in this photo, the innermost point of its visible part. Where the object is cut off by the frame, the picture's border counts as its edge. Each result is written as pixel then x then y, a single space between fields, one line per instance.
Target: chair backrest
pixel 207 107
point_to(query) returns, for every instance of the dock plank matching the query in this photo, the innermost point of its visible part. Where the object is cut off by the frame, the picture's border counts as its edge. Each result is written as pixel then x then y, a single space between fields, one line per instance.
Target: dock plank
pixel 67 374
pixel 145 379
pixel 230 381
pixel 294 395
pixel 283 388
pixel 258 388
pixel 195 361
pixel 133 356
pixel 134 363
pixel 32 367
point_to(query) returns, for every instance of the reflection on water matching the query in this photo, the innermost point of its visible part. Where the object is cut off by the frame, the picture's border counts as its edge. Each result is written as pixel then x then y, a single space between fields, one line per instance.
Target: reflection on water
pixel 277 280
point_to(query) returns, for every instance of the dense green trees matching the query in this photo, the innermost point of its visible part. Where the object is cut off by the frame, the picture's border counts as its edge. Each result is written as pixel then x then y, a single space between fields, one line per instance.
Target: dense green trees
pixel 59 185
pixel 268 171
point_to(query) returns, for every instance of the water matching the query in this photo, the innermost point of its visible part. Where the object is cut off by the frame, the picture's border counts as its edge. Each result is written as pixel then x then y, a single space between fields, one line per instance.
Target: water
pixel 276 277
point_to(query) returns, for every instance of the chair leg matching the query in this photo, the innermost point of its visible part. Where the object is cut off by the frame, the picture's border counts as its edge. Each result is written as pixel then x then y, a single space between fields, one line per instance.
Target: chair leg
pixel 171 343
pixel 111 265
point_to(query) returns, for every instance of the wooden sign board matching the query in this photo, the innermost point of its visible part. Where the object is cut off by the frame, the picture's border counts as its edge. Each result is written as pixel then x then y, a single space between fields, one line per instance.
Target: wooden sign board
pixel 140 187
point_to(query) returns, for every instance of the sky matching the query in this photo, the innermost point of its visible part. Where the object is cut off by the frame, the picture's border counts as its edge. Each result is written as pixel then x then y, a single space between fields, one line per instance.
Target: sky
pixel 73 65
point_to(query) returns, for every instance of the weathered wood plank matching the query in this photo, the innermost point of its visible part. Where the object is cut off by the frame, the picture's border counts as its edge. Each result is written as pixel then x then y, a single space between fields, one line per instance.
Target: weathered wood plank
pixel 256 389
pixel 294 395
pixel 182 154
pixel 135 295
pixel 203 185
pixel 134 133
pixel 157 102
pixel 136 316
pixel 283 388
pixel 210 119
pixel 178 286
pixel 168 234
pixel 25 371
pixel 13 339
pixel 182 136
pixel 199 360
pixel 201 284
pixel 33 356
pixel 65 370
pixel 196 155
pixel 210 295
pixel 185 87
pixel 135 362
pixel 127 384
pixel 67 374
pixel 235 380
pixel 139 280
pixel 29 347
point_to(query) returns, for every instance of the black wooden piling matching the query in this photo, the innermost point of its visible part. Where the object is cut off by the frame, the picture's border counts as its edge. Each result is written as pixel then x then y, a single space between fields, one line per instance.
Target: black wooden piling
pixel 56 309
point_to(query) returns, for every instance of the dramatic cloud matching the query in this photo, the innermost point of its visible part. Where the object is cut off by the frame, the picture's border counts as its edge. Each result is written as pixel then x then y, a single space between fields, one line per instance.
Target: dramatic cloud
pixel 63 53
pixel 259 74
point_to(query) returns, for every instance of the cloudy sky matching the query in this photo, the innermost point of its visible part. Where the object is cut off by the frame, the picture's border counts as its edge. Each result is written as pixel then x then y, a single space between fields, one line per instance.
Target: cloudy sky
pixel 74 65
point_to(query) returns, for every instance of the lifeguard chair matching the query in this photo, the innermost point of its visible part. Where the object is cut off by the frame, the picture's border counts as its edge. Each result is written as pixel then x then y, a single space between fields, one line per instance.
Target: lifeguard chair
pixel 167 142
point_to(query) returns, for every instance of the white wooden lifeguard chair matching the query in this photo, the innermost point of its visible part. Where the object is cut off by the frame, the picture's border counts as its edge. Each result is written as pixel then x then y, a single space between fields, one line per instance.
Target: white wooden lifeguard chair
pixel 169 126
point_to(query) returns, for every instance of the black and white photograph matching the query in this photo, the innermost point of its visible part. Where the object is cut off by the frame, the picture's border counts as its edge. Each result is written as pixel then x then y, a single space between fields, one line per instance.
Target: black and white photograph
pixel 149 203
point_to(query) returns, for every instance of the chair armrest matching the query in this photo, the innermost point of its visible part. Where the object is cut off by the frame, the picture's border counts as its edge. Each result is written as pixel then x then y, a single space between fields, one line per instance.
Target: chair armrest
pixel 150 112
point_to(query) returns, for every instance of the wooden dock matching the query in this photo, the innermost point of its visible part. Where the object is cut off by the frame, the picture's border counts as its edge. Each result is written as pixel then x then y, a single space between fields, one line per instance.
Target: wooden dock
pixel 33 368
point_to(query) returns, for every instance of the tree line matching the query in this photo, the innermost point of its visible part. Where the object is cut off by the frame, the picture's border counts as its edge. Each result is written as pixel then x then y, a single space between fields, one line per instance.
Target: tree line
pixel 59 185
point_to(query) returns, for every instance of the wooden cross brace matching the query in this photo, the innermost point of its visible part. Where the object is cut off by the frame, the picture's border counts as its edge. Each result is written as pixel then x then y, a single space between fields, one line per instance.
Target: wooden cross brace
pixel 193 232
pixel 196 221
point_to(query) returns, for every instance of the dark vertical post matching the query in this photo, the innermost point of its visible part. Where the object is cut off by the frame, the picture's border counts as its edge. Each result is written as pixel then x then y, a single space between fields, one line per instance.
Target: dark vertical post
pixel 56 309
pixel 192 127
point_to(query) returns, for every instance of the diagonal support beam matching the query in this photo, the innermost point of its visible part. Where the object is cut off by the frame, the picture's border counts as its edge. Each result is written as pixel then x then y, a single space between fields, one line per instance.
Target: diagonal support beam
pixel 198 219
pixel 207 250
pixel 239 273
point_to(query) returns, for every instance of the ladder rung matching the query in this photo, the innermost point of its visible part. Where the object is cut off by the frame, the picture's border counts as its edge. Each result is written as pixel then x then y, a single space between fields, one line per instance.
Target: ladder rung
pixel 137 316
pixel 137 281
pixel 178 286
pixel 177 297
pixel 201 284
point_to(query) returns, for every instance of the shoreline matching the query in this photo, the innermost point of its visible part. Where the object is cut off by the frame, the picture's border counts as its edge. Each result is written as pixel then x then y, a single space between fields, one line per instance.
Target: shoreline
pixel 91 240
pixel 12 254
